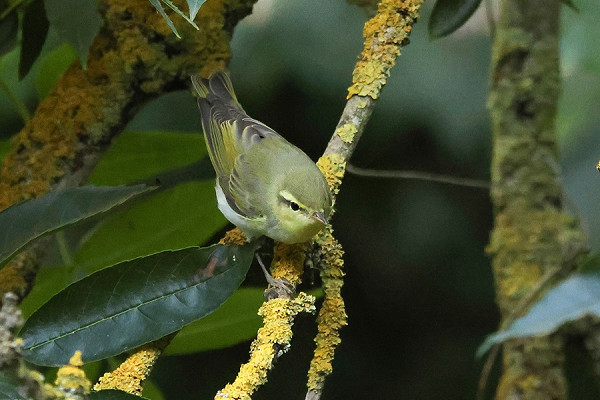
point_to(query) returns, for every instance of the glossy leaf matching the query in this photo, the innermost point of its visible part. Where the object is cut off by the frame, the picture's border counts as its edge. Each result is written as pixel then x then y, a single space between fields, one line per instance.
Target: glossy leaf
pixel 52 67
pixel 449 15
pixel 135 156
pixel 180 217
pixel 132 303
pixel 9 388
pixel 77 23
pixel 574 298
pixel 194 6
pixel 236 321
pixel 570 4
pixel 35 29
pixel 31 219
pixel 112 394
pixel 9 28
pixel 161 10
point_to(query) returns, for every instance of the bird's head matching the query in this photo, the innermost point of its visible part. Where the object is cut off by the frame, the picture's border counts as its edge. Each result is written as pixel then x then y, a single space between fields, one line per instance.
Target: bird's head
pixel 303 206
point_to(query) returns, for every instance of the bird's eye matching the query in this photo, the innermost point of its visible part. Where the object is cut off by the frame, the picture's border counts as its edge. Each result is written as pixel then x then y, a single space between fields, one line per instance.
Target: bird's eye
pixel 294 206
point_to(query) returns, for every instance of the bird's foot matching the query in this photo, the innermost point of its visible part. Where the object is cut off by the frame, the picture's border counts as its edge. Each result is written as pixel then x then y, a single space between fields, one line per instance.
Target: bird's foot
pixel 277 287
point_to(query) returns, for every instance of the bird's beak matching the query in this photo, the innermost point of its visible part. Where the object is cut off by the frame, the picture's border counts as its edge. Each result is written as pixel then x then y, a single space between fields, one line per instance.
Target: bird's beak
pixel 319 216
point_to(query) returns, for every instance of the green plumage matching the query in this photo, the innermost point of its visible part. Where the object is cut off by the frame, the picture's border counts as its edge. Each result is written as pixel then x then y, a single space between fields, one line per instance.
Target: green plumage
pixel 259 172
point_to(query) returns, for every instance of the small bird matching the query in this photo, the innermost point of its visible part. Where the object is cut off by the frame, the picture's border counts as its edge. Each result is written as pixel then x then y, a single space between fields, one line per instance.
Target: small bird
pixel 265 185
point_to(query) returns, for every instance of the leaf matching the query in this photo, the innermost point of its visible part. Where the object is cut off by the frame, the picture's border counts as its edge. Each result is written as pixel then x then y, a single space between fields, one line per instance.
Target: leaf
pixel 132 303
pixel 77 23
pixel 449 15
pixel 9 28
pixel 52 67
pixel 31 219
pixel 112 394
pixel 161 10
pixel 570 4
pixel 35 29
pixel 5 146
pixel 574 298
pixel 234 322
pixel 177 218
pixel 9 388
pixel 173 7
pixel 135 156
pixel 194 6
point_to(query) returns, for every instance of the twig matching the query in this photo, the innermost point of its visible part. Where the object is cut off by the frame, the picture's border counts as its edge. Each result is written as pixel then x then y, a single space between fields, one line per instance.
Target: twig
pixel 418 175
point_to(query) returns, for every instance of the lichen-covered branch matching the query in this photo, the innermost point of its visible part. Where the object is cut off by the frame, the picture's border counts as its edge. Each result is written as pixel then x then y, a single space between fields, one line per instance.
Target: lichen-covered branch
pixel 134 58
pixel 332 315
pixel 272 340
pixel 132 372
pixel 532 234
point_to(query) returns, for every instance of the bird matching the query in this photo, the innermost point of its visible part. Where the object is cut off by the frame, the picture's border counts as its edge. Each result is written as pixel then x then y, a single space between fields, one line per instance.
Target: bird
pixel 265 185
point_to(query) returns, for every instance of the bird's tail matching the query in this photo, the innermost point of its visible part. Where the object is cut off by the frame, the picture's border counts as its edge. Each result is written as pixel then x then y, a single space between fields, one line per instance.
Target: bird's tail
pixel 218 84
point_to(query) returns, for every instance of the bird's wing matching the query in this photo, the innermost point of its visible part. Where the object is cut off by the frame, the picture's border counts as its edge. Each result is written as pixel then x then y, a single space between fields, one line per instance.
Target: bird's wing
pixel 229 134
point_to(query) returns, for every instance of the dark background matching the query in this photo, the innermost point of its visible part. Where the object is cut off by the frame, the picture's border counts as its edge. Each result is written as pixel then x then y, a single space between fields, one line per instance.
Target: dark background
pixel 419 289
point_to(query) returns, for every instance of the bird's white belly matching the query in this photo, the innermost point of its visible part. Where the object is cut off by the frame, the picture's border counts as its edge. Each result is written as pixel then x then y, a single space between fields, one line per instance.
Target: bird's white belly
pixel 247 226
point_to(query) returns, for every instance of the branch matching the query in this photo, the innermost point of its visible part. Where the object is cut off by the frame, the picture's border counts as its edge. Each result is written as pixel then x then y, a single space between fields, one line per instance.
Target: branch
pixel 384 34
pixel 532 234
pixel 134 59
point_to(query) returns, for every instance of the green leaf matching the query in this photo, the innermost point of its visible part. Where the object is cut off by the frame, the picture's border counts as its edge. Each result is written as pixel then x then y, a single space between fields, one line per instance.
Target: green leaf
pixel 449 15
pixel 234 322
pixel 9 388
pixel 35 29
pixel 77 23
pixel 180 217
pixel 570 4
pixel 132 303
pixel 194 6
pixel 31 219
pixel 161 10
pixel 173 7
pixel 5 146
pixel 9 28
pixel 113 394
pixel 52 67
pixel 574 298
pixel 135 156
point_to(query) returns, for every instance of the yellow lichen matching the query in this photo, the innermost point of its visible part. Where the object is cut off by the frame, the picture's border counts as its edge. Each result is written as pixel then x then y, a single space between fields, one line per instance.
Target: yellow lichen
pixel 288 261
pixel 384 34
pixel 346 132
pixel 71 377
pixel 134 370
pixel 11 278
pixel 333 167
pixel 234 237
pixel 271 340
pixel 332 315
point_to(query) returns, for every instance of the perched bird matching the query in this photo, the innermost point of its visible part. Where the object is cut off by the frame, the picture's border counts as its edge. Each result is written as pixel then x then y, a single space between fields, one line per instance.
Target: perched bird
pixel 265 185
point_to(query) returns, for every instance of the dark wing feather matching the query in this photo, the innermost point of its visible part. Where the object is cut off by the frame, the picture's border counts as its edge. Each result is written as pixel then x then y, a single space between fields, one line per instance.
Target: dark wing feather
pixel 229 133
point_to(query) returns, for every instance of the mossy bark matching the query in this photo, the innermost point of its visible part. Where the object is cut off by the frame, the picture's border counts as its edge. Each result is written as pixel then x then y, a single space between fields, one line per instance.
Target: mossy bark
pixel 532 235
pixel 135 58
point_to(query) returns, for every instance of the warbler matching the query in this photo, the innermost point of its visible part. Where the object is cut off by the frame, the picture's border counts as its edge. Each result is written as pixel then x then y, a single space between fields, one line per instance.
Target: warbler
pixel 265 185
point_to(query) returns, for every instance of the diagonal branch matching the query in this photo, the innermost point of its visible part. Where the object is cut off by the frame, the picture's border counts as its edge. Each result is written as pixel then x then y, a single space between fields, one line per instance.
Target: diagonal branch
pixel 384 35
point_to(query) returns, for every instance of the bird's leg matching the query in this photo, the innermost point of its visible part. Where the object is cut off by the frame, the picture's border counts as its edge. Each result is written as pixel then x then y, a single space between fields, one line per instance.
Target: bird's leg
pixel 277 287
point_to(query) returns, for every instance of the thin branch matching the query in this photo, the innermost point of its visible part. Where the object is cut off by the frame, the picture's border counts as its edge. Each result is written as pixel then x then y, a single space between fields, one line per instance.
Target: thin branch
pixel 418 175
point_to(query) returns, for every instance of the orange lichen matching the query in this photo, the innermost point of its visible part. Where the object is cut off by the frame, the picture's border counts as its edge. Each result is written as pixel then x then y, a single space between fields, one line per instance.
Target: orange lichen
pixel 234 237
pixel 384 34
